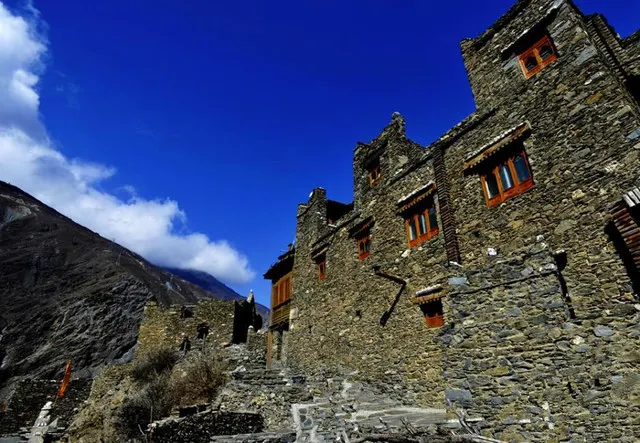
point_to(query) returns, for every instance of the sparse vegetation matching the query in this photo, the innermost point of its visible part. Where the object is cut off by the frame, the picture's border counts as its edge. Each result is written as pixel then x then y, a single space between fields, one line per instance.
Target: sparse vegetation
pixel 154 363
pixel 162 382
pixel 198 380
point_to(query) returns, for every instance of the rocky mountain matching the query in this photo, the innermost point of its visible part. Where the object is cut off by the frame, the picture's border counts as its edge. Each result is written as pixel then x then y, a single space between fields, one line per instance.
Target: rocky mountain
pixel 218 289
pixel 66 293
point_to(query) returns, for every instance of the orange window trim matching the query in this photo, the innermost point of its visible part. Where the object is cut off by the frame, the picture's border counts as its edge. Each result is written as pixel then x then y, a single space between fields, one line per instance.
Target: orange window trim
pixel 281 291
pixel 363 241
pixel 322 270
pixel 374 175
pixel 432 231
pixel 535 52
pixel 518 187
pixel 435 321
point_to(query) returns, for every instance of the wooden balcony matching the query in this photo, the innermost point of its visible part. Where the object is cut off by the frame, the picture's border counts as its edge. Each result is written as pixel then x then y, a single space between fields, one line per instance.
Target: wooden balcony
pixel 280 314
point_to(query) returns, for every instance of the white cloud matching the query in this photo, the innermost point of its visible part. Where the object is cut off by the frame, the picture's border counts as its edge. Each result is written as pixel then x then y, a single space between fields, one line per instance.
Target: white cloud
pixel 29 160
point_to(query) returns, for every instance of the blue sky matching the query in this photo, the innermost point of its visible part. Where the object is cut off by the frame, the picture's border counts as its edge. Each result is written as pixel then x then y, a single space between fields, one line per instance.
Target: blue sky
pixel 234 111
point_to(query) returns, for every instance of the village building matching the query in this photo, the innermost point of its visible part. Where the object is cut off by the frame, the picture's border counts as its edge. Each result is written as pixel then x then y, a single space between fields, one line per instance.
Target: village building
pixel 497 268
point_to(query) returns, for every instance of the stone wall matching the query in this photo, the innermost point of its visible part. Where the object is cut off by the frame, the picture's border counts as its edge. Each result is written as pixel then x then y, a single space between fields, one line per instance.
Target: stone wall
pixel 163 326
pixel 201 427
pixel 337 324
pixel 516 356
pixel 31 395
pixel 582 158
pixel 539 352
pixel 632 46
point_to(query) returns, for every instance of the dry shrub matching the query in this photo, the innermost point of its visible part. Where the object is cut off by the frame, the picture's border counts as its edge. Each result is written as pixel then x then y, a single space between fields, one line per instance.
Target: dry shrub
pixel 160 387
pixel 153 401
pixel 154 363
pixel 198 380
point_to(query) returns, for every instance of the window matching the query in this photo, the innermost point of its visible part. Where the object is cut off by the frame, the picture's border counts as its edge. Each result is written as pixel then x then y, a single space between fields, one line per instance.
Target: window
pixel 534 59
pixel 364 245
pixel 421 223
pixel 433 313
pixel 507 179
pixel 281 291
pixel 374 171
pixel 321 261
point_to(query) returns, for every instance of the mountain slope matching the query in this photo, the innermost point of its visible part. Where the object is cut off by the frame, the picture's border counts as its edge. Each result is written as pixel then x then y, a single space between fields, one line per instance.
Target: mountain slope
pixel 67 293
pixel 218 289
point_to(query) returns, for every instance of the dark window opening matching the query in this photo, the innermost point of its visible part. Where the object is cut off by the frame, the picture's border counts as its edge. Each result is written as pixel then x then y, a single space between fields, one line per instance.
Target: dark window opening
pixel 633 85
pixel 433 313
pixel 626 255
pixel 321 262
pixel 545 52
pixel 374 171
pixel 531 63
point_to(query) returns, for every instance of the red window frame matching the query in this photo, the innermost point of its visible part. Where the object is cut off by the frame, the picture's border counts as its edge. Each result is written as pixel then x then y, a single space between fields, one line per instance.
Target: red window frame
pixel 364 246
pixel 534 51
pixel 321 261
pixel 414 217
pixel 374 175
pixel 518 187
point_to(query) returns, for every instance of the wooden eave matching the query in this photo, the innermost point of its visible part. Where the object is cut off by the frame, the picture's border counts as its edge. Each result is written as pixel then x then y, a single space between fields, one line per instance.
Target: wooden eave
pixel 415 198
pixel 362 226
pixel 504 141
pixel 282 267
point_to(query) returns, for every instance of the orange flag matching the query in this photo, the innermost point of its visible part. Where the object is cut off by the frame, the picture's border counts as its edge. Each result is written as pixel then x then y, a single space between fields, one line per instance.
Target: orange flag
pixel 65 380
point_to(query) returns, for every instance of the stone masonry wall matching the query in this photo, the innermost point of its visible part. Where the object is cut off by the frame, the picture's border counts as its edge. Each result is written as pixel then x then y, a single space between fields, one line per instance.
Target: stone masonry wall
pixel 583 156
pixel 632 46
pixel 338 318
pixel 164 327
pixel 516 357
pixel 201 427
pixel 539 355
pixel 31 395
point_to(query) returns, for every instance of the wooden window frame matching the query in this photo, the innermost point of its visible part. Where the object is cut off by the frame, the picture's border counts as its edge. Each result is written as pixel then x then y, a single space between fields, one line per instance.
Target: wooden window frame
pixel 374 175
pixel 322 270
pixel 415 217
pixel 281 291
pixel 535 52
pixel 518 186
pixel 362 239
pixel 321 262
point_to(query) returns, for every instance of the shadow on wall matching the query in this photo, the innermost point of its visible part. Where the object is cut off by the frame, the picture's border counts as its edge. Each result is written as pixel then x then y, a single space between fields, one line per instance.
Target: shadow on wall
pixel 626 257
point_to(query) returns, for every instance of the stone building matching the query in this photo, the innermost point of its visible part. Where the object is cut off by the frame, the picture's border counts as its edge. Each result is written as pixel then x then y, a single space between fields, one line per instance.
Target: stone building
pixel 496 268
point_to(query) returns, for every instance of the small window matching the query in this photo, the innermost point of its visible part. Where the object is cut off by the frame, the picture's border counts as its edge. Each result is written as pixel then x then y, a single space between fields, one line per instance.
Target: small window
pixel 374 171
pixel 433 313
pixel 364 246
pixel 421 223
pixel 321 261
pixel 534 59
pixel 507 179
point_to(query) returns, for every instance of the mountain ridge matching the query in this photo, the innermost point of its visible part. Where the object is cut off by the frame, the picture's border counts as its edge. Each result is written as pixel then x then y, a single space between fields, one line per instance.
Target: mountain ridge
pixel 68 293
pixel 211 284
